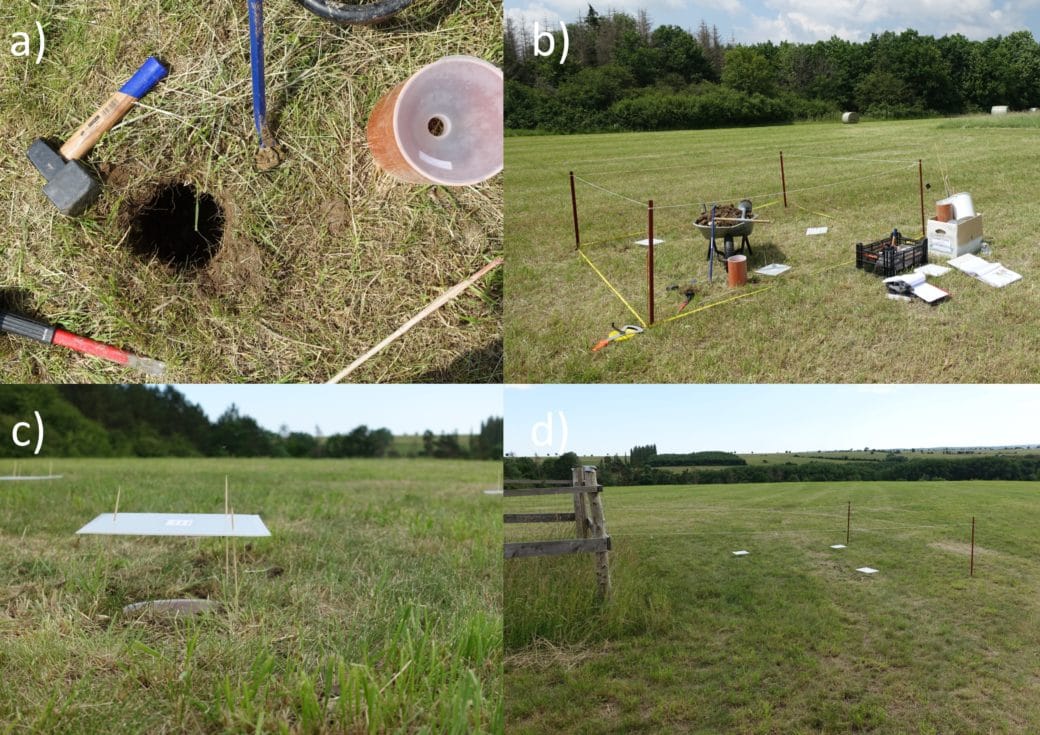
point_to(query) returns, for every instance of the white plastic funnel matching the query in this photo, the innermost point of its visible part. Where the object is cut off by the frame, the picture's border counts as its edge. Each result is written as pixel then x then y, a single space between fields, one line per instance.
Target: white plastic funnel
pixel 443 125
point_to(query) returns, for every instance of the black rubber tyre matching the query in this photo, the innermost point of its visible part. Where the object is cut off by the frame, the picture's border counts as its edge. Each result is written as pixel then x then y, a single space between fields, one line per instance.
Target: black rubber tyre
pixel 355 14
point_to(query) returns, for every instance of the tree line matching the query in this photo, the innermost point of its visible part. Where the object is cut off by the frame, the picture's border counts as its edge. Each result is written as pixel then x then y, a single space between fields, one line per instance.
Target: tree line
pixel 618 471
pixel 621 73
pixel 147 421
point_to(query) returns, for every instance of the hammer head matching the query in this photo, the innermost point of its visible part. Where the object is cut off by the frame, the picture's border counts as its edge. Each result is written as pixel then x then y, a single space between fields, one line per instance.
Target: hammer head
pixel 72 186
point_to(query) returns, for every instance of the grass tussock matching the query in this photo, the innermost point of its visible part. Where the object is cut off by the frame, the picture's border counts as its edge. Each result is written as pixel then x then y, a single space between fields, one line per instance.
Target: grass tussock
pixel 320 258
pixel 375 607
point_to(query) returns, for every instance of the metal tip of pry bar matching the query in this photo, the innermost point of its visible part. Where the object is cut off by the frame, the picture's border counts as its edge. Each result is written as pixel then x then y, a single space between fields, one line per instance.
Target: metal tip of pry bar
pixel 148 365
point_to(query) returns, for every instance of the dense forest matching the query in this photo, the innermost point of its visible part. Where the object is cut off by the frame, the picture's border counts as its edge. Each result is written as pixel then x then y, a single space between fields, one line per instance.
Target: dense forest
pixel 621 73
pixel 895 466
pixel 143 421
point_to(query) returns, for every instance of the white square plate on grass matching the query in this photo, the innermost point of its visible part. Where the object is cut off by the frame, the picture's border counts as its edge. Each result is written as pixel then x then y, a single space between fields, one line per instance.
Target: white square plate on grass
pixel 175 524
pixel 741 553
pixel 867 570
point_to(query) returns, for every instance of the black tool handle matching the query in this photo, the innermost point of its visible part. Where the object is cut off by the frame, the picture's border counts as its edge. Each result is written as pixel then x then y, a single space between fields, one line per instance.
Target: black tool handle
pixel 25 327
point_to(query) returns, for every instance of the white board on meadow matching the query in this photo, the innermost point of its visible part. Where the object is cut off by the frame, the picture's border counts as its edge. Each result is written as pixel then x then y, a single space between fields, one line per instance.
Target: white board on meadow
pixel 837 546
pixel 492 492
pixel 742 552
pixel 816 231
pixel 175 524
pixel 645 242
pixel 30 477
pixel 867 570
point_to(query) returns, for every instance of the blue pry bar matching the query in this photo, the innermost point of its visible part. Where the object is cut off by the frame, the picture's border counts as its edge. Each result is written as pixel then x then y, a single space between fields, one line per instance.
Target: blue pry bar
pixel 256 61
pixel 145 79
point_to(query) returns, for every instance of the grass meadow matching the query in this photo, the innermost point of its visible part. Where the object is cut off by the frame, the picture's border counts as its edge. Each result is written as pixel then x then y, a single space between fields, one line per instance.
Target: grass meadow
pixel 374 607
pixel 319 259
pixel 789 639
pixel 823 320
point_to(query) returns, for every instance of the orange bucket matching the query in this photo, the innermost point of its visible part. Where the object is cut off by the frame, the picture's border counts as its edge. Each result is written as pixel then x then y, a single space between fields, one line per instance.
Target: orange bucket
pixel 736 270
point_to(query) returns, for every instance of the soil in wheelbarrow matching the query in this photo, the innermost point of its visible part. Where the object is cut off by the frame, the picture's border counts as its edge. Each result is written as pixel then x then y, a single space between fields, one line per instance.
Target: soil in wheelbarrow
pixel 723 210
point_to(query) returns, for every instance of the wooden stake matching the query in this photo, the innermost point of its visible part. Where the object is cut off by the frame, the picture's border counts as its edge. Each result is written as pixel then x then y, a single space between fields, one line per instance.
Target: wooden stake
pixel 783 178
pixel 115 512
pixel 971 569
pixel 574 213
pixel 650 258
pixel 440 301
pixel 920 182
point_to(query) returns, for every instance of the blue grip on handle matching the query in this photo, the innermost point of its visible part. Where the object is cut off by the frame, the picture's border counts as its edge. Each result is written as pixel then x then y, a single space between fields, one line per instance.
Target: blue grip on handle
pixel 145 78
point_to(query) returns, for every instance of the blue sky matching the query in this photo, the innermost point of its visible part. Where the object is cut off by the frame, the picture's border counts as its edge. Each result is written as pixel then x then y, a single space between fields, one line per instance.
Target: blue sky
pixel 404 409
pixel 749 21
pixel 766 418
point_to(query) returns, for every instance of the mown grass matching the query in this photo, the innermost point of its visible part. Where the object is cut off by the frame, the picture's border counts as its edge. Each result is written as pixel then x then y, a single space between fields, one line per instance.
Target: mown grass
pixel 822 321
pixel 790 639
pixel 320 259
pixel 374 607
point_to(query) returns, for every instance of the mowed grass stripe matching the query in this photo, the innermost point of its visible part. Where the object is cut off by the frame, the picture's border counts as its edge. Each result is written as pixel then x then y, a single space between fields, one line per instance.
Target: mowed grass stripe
pixel 789 638
pixel 813 326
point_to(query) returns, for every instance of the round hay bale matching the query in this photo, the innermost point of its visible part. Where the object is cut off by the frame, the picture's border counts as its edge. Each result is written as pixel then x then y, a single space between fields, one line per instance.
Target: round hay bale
pixel 850 117
pixel 999 110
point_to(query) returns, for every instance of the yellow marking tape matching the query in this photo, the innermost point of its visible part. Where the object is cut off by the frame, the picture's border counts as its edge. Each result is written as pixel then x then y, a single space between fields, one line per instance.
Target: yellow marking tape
pixel 715 303
pixel 819 214
pixel 611 287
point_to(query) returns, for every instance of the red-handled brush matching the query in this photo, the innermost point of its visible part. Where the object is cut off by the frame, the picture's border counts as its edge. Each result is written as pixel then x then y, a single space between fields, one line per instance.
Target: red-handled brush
pixel 32 329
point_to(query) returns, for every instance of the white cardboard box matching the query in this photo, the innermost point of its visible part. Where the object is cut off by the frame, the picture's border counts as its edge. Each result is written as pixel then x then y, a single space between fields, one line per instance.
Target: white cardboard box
pixel 950 239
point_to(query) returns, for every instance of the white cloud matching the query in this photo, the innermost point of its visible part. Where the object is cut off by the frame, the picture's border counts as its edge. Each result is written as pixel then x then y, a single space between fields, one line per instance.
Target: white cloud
pixel 855 20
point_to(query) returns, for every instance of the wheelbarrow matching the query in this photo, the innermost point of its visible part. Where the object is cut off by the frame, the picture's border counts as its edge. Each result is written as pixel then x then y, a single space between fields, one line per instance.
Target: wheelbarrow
pixel 728 231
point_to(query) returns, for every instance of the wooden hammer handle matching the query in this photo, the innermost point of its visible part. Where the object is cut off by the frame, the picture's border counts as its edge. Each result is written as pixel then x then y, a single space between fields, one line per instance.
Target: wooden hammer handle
pixel 106 118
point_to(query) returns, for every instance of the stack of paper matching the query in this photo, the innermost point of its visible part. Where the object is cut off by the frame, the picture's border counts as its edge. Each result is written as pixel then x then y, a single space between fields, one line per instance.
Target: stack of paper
pixel 994 274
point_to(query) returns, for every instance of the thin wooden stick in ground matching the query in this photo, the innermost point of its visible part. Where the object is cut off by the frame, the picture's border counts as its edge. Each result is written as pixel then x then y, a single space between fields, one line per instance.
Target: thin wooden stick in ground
pixel 115 511
pixel 227 543
pixel 441 300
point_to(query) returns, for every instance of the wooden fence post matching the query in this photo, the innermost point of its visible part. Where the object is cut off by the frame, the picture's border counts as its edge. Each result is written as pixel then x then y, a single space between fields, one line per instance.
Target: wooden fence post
pixel 582 522
pixel 588 518
pixel 598 530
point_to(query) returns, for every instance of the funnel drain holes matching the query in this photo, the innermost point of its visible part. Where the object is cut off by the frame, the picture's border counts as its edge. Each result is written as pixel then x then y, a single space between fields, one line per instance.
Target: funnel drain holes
pixel 437 126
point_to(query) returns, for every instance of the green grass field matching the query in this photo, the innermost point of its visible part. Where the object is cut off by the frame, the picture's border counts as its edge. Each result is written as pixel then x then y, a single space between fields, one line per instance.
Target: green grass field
pixel 319 259
pixel 375 607
pixel 822 321
pixel 790 639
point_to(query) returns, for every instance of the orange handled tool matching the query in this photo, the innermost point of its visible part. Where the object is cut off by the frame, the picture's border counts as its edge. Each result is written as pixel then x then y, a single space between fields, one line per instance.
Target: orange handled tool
pixel 110 113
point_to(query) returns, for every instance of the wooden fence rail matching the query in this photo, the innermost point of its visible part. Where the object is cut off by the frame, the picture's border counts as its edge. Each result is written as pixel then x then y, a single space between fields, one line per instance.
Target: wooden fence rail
pixel 589 523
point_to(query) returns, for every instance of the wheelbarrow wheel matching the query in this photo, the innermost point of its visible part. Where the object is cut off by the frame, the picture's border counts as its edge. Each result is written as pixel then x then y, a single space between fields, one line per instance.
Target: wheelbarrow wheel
pixel 356 14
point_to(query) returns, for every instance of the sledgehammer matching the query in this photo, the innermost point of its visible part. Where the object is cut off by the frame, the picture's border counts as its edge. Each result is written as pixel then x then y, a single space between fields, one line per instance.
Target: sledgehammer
pixel 71 185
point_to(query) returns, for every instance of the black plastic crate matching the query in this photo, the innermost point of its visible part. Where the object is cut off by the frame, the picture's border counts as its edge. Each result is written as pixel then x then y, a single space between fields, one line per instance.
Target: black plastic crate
pixel 884 259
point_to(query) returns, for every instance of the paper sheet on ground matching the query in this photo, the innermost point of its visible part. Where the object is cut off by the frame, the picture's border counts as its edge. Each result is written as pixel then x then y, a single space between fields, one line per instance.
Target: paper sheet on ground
pixel 741 553
pixel 176 524
pixel 816 231
pixel 867 570
pixel 837 546
pixel 645 242
pixel 994 274
pixel 773 269
pixel 931 269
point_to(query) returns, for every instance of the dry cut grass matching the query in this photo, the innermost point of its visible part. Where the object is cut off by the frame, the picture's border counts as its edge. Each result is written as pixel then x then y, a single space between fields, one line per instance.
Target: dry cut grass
pixel 320 259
